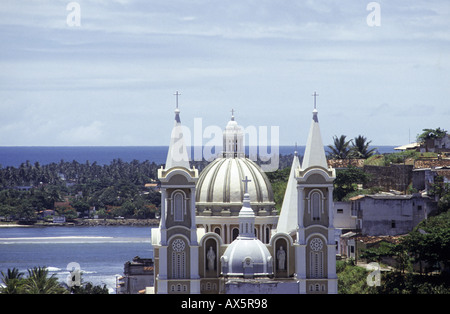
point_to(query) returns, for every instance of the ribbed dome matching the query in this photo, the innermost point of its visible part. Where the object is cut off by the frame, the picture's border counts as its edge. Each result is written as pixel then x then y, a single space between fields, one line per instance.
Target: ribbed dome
pixel 220 188
pixel 247 257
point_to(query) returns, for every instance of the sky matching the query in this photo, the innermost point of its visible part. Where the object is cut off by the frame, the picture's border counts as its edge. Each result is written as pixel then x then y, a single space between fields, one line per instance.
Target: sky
pixel 110 80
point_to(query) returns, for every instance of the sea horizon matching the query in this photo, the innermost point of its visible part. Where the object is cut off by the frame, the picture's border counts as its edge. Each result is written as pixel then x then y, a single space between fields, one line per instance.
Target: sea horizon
pixel 14 156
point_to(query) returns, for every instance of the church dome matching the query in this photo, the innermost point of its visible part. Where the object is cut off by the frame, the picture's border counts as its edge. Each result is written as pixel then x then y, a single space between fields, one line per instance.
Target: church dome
pixel 220 190
pixel 247 257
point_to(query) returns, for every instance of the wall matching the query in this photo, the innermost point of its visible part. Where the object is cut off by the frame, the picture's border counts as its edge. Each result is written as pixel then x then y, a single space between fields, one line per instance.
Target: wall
pixel 392 215
pixel 393 177
pixel 343 218
pixel 261 286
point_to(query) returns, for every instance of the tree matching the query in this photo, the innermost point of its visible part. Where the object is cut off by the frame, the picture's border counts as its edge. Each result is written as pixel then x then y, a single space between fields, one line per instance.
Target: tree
pixel 347 181
pixel 86 288
pixel 12 282
pixel 89 288
pixel 279 180
pixel 352 279
pixel 360 148
pixel 429 134
pixel 38 282
pixel 429 242
pixel 81 206
pixel 341 149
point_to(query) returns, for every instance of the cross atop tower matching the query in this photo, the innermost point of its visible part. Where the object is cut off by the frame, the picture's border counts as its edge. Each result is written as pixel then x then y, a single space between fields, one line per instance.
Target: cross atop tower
pixel 177 94
pixel 246 181
pixel 315 96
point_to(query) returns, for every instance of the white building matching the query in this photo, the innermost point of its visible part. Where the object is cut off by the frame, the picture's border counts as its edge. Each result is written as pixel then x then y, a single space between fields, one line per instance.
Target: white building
pixel 218 231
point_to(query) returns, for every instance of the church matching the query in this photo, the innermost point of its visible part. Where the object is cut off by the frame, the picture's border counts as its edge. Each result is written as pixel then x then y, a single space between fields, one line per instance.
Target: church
pixel 220 233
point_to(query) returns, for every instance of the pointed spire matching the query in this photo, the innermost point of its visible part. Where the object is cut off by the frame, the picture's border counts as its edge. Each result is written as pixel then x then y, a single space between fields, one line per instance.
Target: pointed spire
pixel 288 216
pixel 177 155
pixel 314 151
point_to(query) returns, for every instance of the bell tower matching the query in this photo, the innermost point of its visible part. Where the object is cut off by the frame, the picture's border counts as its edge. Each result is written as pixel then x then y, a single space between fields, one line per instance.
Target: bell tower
pixel 175 241
pixel 315 244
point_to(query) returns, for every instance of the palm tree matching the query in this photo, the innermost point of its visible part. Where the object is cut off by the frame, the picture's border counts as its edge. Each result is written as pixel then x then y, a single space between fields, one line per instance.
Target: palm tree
pixel 38 282
pixel 360 148
pixel 340 150
pixel 12 281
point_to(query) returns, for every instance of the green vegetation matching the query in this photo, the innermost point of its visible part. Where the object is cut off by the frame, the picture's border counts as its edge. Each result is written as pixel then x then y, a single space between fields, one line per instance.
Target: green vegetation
pixel 359 148
pixel 72 189
pixel 347 182
pixel 422 259
pixel 352 279
pixel 428 134
pixel 279 180
pixel 38 281
pixel 422 263
pixel 405 157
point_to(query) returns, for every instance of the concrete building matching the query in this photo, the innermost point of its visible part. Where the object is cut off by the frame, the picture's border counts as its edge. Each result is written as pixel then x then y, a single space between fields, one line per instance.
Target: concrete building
pixel 388 214
pixel 138 274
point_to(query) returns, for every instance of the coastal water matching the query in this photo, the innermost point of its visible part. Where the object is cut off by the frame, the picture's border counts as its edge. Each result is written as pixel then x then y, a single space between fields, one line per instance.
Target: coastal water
pixel 16 155
pixel 100 251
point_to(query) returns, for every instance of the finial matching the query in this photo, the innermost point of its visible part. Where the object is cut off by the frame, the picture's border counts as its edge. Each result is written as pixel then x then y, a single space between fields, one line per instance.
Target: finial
pixel 177 111
pixel 232 114
pixel 246 181
pixel 177 94
pixel 315 118
pixel 295 151
pixel 315 96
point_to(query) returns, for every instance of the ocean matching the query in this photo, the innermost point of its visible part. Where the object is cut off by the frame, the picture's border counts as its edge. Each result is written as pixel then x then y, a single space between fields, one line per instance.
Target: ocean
pixel 99 251
pixel 14 156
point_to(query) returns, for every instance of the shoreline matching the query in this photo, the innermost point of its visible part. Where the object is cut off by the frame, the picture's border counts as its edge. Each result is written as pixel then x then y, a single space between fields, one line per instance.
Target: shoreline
pixel 86 223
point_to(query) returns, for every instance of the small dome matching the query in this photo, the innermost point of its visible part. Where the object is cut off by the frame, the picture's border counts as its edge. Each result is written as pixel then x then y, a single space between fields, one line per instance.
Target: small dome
pixel 247 257
pixel 220 187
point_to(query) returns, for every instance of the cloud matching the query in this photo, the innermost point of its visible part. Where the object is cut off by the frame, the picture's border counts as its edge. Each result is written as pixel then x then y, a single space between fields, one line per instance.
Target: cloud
pixel 118 70
pixel 84 134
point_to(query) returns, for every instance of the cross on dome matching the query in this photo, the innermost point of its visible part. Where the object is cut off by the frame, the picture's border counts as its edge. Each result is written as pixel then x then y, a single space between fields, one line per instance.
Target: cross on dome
pixel 246 181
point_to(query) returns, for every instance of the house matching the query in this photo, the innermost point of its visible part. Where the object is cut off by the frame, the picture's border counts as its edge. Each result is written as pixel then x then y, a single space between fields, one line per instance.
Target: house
pixel 436 145
pixel 389 214
pixel 353 244
pixel 138 274
pixel 424 178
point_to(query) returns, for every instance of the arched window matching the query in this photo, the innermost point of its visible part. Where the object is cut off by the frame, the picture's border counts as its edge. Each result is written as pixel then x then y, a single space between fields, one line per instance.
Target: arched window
pixel 178 204
pixel 316 205
pixel 316 258
pixel 235 233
